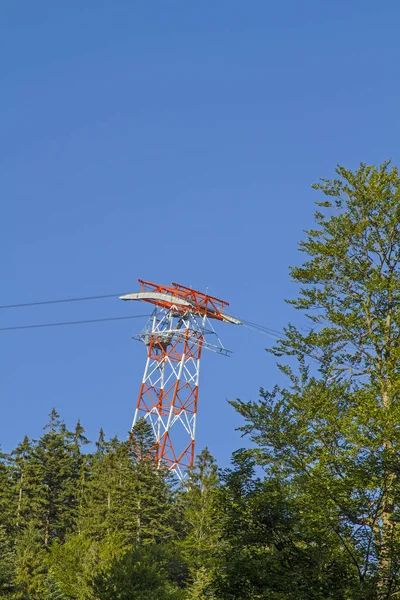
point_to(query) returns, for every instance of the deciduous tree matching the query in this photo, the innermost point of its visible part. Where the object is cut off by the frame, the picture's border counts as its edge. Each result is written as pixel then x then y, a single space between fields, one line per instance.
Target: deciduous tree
pixel 334 430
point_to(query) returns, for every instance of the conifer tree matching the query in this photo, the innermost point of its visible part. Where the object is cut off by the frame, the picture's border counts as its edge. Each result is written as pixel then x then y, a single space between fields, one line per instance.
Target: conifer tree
pixel 126 495
pixel 18 459
pixel 101 514
pixel 57 481
pixel 201 514
pixel 7 514
pixel 81 467
pixel 27 487
pixel 138 575
pixel 7 565
pixel 202 586
pixel 53 589
pixel 78 561
pixel 101 443
pixel 151 491
pixel 30 564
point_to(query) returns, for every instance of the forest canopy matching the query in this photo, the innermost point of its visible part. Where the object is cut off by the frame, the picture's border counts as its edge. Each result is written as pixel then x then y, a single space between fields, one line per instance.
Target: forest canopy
pixel 311 511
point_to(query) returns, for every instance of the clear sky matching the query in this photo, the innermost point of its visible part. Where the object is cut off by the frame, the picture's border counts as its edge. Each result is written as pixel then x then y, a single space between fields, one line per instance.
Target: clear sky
pixel 172 141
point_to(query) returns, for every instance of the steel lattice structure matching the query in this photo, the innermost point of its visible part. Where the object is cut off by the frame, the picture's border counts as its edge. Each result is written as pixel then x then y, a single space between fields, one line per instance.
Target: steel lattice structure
pixel 175 335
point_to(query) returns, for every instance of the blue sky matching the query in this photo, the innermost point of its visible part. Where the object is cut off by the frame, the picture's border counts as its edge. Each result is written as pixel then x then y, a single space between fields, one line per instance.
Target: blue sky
pixel 171 141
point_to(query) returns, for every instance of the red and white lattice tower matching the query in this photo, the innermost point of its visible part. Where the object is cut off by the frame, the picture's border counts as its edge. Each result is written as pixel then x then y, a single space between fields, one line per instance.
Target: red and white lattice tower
pixel 175 335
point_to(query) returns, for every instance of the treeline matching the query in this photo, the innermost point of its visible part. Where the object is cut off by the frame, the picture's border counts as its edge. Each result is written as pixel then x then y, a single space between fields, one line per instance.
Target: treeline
pixel 106 525
pixel 310 512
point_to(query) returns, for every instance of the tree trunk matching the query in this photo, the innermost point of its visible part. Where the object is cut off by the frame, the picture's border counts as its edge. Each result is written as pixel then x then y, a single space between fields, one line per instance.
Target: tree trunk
pixel 386 526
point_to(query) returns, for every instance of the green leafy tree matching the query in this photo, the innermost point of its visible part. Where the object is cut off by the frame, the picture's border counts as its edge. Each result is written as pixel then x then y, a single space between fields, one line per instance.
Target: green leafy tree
pixel 333 431
pixel 270 551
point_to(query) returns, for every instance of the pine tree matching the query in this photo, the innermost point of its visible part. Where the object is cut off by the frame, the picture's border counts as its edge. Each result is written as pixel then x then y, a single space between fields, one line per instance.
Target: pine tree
pixel 19 456
pixel 139 574
pixel 77 441
pixel 202 587
pixel 7 565
pixel 76 562
pixel 151 490
pixel 30 563
pixel 101 443
pixel 7 518
pixel 126 495
pixel 58 485
pixel 44 476
pixel 27 487
pixel 201 514
pixel 53 589
pixel 102 512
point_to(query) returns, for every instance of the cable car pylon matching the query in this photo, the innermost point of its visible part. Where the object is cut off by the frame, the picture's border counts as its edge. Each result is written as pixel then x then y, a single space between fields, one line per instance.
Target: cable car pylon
pixel 175 335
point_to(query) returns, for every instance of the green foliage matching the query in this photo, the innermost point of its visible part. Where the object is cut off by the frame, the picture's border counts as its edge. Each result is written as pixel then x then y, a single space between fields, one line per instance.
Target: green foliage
pixel 76 562
pixel 332 435
pixel 46 477
pixel 7 566
pixel 30 564
pixel 310 512
pixel 202 587
pixel 141 574
pixel 270 550
pixel 201 514
pixel 53 589
pixel 126 495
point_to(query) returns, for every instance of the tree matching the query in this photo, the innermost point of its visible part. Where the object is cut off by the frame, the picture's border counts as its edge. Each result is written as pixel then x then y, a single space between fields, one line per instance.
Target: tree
pixel 30 564
pixel 7 510
pixel 18 460
pixel 151 489
pixel 75 442
pixel 44 500
pixel 269 550
pixel 55 477
pixel 7 566
pixel 53 589
pixel 110 504
pixel 333 432
pixel 201 515
pixel 202 587
pixel 75 563
pixel 67 517
pixel 139 574
pixel 101 443
pixel 127 495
